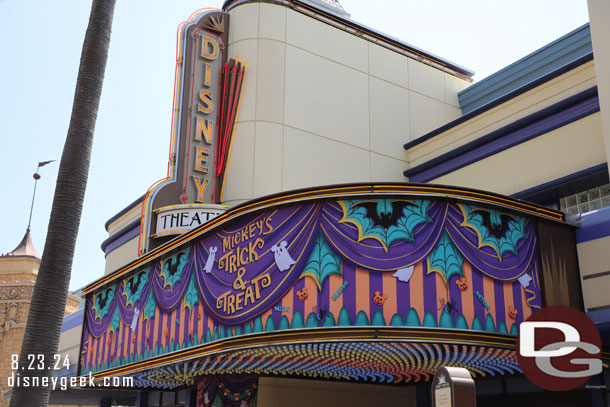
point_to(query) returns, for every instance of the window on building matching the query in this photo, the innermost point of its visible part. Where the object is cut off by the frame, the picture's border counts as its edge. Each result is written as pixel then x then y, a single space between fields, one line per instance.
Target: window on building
pixel 586 201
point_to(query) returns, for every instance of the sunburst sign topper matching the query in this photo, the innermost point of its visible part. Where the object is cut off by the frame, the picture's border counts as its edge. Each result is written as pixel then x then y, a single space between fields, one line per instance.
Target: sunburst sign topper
pixel 206 98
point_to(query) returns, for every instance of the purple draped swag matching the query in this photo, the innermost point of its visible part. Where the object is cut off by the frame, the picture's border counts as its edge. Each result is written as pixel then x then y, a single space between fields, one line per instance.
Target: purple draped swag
pixel 258 258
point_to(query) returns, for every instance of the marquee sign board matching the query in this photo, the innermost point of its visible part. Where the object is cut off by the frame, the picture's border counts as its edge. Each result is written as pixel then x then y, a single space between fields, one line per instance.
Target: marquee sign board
pixel 399 260
pixel 177 219
pixel 206 99
pixel 453 387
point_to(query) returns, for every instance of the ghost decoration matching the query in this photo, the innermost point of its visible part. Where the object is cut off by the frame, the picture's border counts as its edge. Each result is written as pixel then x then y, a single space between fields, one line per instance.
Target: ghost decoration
pixel 525 280
pixel 206 398
pixel 134 321
pixel 282 257
pixel 210 261
pixel 404 274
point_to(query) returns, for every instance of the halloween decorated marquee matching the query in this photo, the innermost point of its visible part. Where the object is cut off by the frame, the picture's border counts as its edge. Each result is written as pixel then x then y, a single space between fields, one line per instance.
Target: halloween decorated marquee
pixel 356 282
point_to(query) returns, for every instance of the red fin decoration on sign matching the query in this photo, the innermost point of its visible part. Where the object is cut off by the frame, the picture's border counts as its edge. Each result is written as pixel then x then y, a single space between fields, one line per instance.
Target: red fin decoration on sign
pixel 232 78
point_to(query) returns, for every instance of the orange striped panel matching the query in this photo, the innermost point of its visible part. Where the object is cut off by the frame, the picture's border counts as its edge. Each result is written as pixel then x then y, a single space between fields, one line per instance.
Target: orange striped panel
pixel 172 328
pixel 312 298
pixel 490 297
pixel 130 346
pixel 266 315
pixel 468 295
pixel 135 337
pixel 93 351
pixel 127 343
pixel 527 311
pixel 117 341
pixel 123 348
pixel 106 345
pixel 145 328
pixel 162 322
pixel 441 292
pixel 287 303
pixel 183 318
pixel 390 307
pixel 334 284
pixel 98 352
pixel 200 327
pixel 155 329
pixel 416 291
pixel 363 296
pixel 210 326
pixel 141 333
pixel 508 302
pixel 110 348
pixel 192 317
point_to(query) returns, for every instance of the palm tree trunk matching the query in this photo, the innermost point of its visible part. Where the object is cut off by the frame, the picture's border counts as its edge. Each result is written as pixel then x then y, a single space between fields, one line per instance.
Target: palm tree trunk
pixel 50 292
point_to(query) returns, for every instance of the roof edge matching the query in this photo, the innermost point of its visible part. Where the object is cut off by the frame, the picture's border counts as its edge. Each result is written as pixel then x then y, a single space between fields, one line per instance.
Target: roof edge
pixel 504 98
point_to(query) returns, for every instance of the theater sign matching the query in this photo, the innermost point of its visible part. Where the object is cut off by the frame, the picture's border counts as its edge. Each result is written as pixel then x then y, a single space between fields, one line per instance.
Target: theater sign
pixel 206 99
pixel 422 273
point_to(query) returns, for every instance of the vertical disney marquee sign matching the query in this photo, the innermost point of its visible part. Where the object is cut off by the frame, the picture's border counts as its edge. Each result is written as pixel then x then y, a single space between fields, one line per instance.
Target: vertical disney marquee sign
pixel 206 100
pixel 202 112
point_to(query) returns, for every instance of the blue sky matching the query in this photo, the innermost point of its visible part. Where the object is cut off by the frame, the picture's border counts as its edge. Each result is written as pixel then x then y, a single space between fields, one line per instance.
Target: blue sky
pixel 40 45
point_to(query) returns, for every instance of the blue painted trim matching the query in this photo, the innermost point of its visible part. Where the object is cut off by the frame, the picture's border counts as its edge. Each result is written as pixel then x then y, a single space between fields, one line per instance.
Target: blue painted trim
pixel 73 320
pixel 520 131
pixel 124 211
pixel 121 237
pixel 560 71
pixel 552 191
pixel 594 225
pixel 600 317
pixel 550 57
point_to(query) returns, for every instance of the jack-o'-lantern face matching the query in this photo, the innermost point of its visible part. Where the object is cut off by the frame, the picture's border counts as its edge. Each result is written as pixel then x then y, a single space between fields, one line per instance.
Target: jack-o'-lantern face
pixel 303 294
pixel 512 313
pixel 379 298
pixel 462 283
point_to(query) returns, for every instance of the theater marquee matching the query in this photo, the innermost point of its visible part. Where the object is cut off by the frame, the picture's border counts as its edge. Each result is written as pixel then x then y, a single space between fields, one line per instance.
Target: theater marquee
pixel 401 258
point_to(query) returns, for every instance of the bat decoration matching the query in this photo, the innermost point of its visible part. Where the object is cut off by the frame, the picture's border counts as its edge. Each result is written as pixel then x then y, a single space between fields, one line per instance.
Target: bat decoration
pixel 496 223
pixel 133 284
pixel 102 298
pixel 384 219
pixel 172 266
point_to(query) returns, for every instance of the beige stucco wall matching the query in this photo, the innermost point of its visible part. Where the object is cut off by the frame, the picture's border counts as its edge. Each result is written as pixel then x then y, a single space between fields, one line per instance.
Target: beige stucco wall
pixel 532 101
pixel 599 14
pixel 304 393
pixel 594 263
pixel 122 255
pixel 125 219
pixel 128 251
pixel 314 93
pixel 69 344
pixel 561 152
